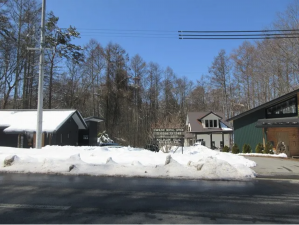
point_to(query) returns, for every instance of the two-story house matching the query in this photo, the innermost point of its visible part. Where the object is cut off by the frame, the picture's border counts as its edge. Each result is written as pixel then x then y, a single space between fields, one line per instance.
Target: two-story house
pixel 209 128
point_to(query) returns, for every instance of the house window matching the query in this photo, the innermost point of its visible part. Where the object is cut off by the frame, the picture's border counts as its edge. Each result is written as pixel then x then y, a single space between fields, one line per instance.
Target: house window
pixel 211 123
pixel 215 123
pixel 285 109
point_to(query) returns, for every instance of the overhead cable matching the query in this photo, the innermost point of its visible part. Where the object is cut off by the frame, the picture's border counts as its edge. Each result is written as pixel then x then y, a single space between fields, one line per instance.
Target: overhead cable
pixel 190 34
pixel 222 35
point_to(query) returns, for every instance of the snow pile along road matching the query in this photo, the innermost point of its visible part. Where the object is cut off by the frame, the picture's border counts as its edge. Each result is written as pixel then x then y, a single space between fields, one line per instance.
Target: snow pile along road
pixel 196 162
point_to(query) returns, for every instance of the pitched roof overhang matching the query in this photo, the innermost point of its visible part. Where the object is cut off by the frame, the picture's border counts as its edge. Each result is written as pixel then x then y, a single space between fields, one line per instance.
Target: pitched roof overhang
pixel 93 119
pixel 267 104
pixel 209 114
pixel 77 117
pixel 278 122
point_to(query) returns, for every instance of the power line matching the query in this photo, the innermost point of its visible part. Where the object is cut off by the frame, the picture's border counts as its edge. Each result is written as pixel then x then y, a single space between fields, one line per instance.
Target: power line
pixel 237 38
pixel 194 35
pixel 222 35
pixel 128 36
pixel 238 31
pixel 124 30
pixel 118 33
pixel 235 35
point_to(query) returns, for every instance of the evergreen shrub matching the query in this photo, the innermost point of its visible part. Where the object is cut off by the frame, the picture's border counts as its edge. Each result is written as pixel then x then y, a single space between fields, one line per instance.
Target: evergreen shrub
pixel 268 148
pixel 235 149
pixel 246 148
pixel 259 148
pixel 226 149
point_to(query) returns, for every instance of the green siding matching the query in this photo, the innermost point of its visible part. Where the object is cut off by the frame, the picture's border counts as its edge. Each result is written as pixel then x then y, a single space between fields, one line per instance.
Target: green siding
pixel 245 131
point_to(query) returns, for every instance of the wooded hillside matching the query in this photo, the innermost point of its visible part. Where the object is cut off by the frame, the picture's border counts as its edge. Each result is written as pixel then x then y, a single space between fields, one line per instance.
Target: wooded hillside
pixel 132 95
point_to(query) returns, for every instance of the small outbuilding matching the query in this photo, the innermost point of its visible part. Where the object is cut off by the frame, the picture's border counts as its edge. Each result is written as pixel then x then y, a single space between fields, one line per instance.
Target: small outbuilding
pixel 208 128
pixel 89 136
pixel 276 121
pixel 60 127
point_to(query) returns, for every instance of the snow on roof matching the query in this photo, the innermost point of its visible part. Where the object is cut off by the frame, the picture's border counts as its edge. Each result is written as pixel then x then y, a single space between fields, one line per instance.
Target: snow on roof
pixel 25 121
pixel 225 128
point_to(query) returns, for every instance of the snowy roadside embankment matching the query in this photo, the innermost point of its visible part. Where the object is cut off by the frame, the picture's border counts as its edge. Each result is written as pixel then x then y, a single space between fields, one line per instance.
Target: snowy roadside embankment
pixel 197 162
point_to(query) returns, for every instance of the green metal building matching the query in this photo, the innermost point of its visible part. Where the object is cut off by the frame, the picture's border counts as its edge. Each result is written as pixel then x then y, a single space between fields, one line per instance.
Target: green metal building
pixel 245 131
pixel 274 121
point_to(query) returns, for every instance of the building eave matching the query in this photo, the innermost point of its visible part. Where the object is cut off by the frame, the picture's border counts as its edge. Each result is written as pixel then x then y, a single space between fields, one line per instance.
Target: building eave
pixel 93 119
pixel 266 105
pixel 278 122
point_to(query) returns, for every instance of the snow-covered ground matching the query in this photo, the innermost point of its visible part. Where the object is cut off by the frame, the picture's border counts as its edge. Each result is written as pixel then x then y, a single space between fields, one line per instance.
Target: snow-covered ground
pixel 196 162
pixel 281 155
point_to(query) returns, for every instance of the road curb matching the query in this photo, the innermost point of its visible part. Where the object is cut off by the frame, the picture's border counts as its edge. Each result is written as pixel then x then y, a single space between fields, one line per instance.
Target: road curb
pixel 294 179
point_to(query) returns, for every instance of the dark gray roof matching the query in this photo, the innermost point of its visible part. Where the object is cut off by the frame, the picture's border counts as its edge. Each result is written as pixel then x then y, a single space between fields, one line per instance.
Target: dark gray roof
pixel 197 127
pixel 267 104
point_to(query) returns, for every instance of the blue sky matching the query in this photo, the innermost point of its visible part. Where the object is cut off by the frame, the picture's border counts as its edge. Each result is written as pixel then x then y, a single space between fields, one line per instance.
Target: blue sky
pixel 152 26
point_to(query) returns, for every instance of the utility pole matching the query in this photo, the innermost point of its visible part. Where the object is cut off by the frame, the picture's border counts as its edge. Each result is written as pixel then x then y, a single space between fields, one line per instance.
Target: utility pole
pixel 41 49
pixel 39 126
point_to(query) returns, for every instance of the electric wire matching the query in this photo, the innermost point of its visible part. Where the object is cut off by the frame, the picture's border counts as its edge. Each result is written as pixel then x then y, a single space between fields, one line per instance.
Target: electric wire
pixel 240 34
pixel 190 34
pixel 237 37
pixel 128 33
pixel 238 31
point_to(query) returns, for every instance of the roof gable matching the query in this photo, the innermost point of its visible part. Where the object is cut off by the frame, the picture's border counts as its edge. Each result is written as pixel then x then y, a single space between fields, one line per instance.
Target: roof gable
pixel 26 120
pixel 210 114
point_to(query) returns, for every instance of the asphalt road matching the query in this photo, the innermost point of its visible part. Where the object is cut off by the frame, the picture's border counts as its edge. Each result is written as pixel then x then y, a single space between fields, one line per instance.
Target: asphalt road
pixel 37 198
pixel 277 168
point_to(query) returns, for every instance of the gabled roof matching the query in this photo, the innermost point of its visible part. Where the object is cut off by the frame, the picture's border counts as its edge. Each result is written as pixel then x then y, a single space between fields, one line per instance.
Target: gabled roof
pixel 194 119
pixel 17 121
pixel 211 113
pixel 267 104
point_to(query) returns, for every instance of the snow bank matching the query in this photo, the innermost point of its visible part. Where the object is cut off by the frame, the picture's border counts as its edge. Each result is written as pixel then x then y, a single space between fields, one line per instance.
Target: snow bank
pixel 196 162
pixel 281 155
